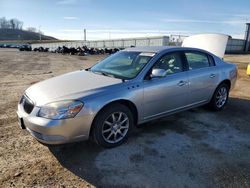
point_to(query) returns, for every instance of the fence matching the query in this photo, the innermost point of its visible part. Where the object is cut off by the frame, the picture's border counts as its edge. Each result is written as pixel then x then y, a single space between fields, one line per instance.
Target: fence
pixel 233 45
pixel 117 43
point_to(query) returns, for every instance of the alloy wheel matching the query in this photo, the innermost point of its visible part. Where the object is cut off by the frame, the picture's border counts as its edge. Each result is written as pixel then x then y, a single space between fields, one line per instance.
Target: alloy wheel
pixel 115 127
pixel 221 97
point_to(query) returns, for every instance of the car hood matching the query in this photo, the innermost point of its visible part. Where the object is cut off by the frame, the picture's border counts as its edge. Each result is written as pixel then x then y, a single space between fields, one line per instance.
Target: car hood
pixel 68 86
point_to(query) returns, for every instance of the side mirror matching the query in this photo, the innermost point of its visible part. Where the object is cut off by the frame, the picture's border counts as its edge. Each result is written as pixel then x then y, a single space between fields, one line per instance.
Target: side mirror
pixel 158 73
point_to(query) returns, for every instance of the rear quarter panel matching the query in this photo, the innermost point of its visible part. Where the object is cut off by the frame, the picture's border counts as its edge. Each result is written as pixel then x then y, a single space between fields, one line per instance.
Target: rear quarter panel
pixel 228 71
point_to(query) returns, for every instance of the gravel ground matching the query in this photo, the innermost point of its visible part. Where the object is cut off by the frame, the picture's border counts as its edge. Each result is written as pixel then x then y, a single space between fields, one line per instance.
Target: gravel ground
pixel 195 148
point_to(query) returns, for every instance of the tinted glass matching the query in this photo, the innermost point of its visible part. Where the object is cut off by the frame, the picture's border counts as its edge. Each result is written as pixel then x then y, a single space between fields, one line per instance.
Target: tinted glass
pixel 197 60
pixel 171 63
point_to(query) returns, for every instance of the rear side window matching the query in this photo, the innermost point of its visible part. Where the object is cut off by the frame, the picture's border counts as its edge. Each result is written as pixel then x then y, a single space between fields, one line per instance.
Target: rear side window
pixel 197 60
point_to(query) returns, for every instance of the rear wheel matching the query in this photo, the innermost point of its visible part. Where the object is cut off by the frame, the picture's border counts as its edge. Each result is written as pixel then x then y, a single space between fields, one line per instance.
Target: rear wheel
pixel 112 125
pixel 220 97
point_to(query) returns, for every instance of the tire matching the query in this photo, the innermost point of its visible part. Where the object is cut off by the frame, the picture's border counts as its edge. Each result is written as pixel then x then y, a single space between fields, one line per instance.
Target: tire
pixel 220 97
pixel 112 125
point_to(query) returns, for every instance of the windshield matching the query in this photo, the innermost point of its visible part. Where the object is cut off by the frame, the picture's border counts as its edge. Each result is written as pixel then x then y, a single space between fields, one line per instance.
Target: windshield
pixel 123 65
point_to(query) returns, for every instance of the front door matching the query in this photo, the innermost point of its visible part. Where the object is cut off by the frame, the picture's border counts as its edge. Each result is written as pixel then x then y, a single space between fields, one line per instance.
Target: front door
pixel 168 93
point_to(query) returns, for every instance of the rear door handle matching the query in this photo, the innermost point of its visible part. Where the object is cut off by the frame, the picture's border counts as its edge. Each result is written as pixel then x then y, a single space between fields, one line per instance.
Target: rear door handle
pixel 212 75
pixel 182 83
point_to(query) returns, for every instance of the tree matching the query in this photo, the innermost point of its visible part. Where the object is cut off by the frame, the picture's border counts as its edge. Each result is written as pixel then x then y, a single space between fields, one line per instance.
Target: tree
pixel 20 25
pixel 31 29
pixel 4 23
pixel 17 24
pixel 10 24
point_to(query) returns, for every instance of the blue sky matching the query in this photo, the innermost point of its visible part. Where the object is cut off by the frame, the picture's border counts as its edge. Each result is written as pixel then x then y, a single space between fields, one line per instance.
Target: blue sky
pixel 103 19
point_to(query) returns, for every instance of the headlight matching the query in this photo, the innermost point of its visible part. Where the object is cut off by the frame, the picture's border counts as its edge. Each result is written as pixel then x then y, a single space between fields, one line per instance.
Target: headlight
pixel 60 109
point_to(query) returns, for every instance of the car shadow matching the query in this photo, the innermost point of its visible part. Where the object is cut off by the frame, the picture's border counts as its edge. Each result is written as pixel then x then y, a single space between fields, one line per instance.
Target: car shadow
pixel 80 158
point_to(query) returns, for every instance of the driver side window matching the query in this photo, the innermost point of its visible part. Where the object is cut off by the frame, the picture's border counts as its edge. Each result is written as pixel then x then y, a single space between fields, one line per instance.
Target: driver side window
pixel 170 62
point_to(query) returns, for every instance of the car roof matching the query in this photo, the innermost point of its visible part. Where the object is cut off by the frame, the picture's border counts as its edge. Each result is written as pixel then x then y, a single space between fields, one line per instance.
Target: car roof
pixel 155 49
pixel 158 49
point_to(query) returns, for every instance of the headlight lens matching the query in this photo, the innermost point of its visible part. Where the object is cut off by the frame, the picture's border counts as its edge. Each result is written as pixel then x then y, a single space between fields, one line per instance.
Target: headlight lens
pixel 60 109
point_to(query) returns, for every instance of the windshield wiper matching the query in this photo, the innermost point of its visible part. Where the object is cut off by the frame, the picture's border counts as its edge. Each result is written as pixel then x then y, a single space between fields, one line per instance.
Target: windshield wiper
pixel 103 73
pixel 108 74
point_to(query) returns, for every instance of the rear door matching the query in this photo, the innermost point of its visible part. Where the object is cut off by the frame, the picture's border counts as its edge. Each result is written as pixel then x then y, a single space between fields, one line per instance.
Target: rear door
pixel 203 76
pixel 169 93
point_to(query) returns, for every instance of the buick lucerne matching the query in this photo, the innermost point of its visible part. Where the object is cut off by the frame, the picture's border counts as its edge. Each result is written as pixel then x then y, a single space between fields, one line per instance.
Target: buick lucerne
pixel 130 87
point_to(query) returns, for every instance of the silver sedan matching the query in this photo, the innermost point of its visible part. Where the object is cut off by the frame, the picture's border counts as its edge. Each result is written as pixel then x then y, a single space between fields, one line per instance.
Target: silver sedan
pixel 131 87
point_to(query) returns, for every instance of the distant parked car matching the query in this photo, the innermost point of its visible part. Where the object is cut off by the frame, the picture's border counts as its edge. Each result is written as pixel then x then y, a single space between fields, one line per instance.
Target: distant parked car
pixel 130 87
pixel 25 48
pixel 6 46
pixel 41 49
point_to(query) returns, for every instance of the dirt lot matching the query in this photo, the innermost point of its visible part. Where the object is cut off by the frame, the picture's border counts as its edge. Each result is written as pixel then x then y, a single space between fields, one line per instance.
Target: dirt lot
pixel 195 148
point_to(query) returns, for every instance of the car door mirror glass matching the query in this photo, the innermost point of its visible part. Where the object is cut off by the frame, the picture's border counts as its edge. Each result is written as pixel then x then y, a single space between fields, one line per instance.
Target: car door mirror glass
pixel 158 73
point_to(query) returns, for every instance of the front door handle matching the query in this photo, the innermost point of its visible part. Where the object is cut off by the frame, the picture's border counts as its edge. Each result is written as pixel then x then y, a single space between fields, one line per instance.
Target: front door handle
pixel 182 83
pixel 212 75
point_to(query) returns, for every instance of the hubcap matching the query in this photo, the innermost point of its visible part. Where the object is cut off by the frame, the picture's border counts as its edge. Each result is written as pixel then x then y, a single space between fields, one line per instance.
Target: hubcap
pixel 115 127
pixel 221 97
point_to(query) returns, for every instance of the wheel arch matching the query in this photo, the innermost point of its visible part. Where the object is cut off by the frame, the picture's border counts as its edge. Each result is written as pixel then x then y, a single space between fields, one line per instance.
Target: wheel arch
pixel 227 82
pixel 132 107
pixel 212 101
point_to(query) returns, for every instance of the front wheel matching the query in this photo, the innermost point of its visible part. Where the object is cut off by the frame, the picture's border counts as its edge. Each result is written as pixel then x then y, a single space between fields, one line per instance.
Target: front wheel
pixel 220 97
pixel 112 125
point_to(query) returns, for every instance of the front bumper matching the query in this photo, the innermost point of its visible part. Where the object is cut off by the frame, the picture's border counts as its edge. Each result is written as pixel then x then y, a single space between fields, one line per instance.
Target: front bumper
pixel 53 132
